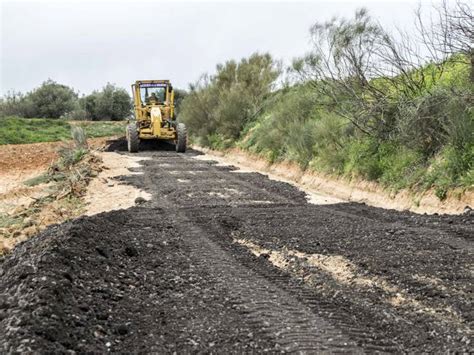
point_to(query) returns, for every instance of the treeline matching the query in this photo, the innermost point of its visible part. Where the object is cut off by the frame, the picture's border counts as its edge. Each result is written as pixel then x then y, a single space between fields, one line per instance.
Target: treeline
pixel 366 103
pixel 54 100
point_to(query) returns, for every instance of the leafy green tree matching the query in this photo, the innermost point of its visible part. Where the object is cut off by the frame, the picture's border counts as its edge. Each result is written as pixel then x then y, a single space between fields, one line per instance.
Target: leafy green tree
pixel 179 96
pixel 223 104
pixel 50 100
pixel 109 104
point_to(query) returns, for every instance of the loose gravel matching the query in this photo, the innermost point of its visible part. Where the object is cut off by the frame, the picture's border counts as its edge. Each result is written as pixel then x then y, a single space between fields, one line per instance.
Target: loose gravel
pixel 228 262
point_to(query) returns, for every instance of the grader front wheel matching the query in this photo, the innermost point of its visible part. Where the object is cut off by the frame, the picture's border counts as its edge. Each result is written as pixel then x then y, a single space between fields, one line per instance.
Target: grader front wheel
pixel 133 141
pixel 182 138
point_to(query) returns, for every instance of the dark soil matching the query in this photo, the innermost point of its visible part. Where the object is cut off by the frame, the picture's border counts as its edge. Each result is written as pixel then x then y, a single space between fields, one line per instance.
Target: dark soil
pixel 167 276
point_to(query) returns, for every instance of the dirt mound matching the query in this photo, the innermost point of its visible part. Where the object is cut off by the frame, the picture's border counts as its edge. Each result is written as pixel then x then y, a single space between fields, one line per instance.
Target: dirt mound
pixel 36 156
pixel 51 196
pixel 96 284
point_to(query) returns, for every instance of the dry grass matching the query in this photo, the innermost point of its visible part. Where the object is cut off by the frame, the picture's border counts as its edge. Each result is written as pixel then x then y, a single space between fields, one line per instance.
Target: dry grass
pixel 61 187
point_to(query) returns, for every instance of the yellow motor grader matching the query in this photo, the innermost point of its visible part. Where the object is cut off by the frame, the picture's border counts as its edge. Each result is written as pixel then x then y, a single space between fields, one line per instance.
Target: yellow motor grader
pixel 153 102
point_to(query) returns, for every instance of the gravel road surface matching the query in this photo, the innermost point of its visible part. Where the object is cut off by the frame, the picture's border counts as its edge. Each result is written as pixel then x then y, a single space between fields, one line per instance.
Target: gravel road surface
pixel 220 261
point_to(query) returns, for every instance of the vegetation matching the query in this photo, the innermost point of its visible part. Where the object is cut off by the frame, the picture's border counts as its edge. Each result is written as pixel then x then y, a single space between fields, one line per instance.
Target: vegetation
pixel 218 107
pixel 67 180
pixel 363 103
pixel 53 100
pixel 110 104
pixel 50 100
pixel 16 130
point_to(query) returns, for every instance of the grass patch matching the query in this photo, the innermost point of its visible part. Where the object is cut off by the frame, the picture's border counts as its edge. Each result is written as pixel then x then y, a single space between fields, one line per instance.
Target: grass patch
pixel 8 221
pixel 95 129
pixel 16 130
pixel 40 179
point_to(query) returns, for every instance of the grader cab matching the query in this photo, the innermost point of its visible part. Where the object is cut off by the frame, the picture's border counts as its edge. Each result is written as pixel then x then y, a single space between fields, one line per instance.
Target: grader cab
pixel 153 102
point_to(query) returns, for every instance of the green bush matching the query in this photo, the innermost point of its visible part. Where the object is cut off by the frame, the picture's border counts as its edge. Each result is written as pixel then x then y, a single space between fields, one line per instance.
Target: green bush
pixel 451 168
pixel 363 159
pixel 286 128
pixel 109 104
pixel 331 136
pixel 50 100
pixel 53 100
pixel 408 127
pixel 226 102
pixel 433 120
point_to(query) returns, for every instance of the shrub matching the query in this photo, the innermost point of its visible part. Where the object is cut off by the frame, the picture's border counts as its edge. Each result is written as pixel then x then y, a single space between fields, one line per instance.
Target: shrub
pixel 79 137
pixel 110 104
pixel 226 102
pixel 363 159
pixel 431 121
pixel 179 96
pixel 331 135
pixel 51 100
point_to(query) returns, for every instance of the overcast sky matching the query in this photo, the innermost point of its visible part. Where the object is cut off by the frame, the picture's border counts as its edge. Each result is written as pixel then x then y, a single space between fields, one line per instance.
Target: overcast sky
pixel 89 43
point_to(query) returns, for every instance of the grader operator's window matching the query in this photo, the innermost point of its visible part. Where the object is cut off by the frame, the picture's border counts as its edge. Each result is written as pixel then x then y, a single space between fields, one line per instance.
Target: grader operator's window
pixel 149 94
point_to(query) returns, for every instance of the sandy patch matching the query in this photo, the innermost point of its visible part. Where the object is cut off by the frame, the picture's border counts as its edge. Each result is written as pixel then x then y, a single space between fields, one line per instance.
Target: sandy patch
pixel 312 196
pixel 106 193
pixel 345 272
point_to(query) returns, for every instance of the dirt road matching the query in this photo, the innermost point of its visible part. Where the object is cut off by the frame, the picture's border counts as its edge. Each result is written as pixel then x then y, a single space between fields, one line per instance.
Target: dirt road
pixel 221 261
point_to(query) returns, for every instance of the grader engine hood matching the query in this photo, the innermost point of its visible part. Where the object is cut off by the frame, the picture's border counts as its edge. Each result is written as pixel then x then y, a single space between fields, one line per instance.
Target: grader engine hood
pixel 156 119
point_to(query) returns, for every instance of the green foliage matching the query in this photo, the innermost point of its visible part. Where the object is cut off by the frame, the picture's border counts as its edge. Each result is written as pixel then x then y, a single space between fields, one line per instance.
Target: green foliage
pixel 15 130
pixel 53 100
pixel 69 157
pixel 451 168
pixel 414 129
pixel 431 145
pixel 40 179
pixel 109 104
pixel 179 96
pixel 331 137
pixel 50 100
pixel 363 159
pixel 428 122
pixel 9 221
pixel 216 141
pixel 421 138
pixel 79 137
pixel 286 129
pixel 103 128
pixel 225 103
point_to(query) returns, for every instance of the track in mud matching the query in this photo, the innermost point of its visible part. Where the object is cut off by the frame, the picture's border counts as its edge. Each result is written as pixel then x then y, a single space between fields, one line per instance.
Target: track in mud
pixel 222 261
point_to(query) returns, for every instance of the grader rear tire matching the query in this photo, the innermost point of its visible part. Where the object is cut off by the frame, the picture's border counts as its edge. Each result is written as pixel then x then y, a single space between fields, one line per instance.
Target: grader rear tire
pixel 133 141
pixel 182 138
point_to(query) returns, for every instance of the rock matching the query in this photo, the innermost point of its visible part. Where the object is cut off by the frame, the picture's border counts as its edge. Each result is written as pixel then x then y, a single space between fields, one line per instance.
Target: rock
pixel 102 251
pixel 140 200
pixel 121 329
pixel 102 316
pixel 131 251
